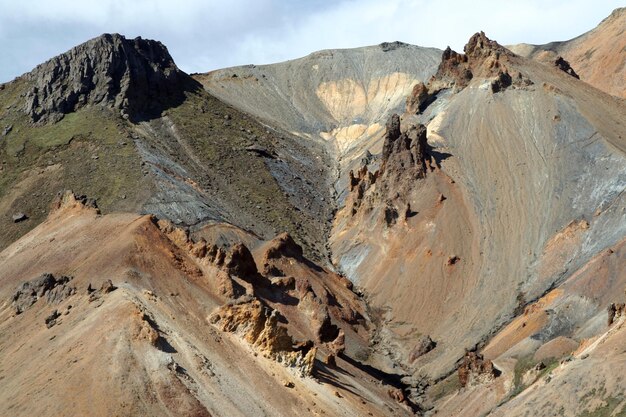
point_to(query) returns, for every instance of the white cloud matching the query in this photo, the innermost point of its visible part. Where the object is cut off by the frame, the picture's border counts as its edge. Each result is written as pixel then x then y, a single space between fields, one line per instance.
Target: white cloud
pixel 204 35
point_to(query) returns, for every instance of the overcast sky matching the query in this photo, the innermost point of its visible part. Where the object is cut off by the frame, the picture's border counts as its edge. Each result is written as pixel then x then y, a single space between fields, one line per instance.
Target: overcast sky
pixel 203 35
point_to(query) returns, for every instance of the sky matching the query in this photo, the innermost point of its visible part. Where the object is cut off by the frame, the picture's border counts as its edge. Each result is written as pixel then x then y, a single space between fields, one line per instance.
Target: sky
pixel 203 35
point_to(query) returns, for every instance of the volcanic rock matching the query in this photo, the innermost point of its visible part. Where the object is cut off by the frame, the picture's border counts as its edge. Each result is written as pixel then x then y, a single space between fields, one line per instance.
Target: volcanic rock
pixel 564 66
pixel 107 287
pixel 424 345
pixel 283 245
pixel 615 311
pixel 239 262
pixel 29 292
pixel 19 217
pixel 259 325
pixel 137 77
pixel 405 150
pixel 51 320
pixel 483 58
pixel 405 158
pixel 419 99
pixel 475 369
pixel 68 199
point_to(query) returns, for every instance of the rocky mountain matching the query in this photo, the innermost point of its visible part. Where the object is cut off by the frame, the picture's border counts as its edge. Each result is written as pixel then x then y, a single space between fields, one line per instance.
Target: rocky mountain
pixel 342 97
pixel 116 119
pixel 390 230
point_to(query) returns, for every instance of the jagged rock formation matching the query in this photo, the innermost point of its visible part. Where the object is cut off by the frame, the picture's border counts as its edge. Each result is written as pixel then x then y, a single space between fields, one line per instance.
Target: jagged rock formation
pixel 137 77
pixel 419 99
pixel 564 66
pixel 615 311
pixel 475 369
pixel 424 345
pixel 55 290
pixel 404 150
pixel 483 58
pixel 68 199
pixel 258 325
pixel 404 159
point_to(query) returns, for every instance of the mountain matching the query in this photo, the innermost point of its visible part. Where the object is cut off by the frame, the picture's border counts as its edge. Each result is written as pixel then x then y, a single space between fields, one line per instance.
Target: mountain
pixel 340 96
pixel 597 56
pixel 117 120
pixel 514 189
pixel 389 230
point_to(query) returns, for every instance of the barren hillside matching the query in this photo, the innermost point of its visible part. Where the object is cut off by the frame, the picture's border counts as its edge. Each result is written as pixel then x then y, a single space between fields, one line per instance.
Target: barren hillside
pixel 598 56
pixel 389 230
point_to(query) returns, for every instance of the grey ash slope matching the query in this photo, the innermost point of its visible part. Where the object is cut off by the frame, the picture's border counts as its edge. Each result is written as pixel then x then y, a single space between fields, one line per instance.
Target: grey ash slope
pixel 343 96
pixel 326 89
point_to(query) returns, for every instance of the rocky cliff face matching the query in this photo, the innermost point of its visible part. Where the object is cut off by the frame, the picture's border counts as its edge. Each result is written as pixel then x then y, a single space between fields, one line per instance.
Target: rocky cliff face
pixel 404 159
pixel 136 76
pixel 483 58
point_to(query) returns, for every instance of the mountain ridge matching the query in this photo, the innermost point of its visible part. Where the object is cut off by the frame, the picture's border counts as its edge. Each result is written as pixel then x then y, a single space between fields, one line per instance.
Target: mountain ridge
pixel 421 232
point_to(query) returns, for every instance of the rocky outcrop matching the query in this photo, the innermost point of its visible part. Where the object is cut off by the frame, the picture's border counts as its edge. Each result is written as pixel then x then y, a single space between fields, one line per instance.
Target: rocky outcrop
pixel 474 369
pixel 259 325
pixel 564 66
pixel 280 248
pixel 424 345
pixel 283 245
pixel 419 99
pixel 51 320
pixel 238 273
pixel 19 217
pixel 454 70
pixel 239 262
pixel 404 150
pixel 137 77
pixel 68 200
pixel 315 308
pixel 482 58
pixel 106 287
pixel 614 312
pixel 55 290
pixel 405 158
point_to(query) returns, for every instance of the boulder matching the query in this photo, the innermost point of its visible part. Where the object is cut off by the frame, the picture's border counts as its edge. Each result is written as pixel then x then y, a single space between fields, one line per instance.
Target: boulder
pixel 19 217
pixel 424 345
pixel 564 66
pixel 51 320
pixel 55 290
pixel 474 369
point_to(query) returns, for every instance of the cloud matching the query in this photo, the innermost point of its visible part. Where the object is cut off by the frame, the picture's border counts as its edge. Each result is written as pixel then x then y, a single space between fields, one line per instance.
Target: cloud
pixel 204 35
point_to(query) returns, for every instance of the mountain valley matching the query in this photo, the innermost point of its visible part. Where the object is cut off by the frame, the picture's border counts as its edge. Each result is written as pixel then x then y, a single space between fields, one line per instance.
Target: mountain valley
pixel 389 230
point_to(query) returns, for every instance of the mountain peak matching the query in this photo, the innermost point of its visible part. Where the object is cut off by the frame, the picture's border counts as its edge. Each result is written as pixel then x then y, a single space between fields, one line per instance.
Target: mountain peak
pixel 137 76
pixel 479 45
pixel 483 58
